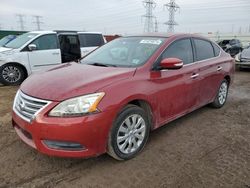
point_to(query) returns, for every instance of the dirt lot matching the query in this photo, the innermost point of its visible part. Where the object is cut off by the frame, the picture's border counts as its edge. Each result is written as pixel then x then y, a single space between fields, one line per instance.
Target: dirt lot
pixel 207 148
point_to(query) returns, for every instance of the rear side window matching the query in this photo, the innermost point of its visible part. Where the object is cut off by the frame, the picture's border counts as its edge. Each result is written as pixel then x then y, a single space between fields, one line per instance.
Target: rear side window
pixel 216 50
pixel 204 49
pixel 91 40
pixel 46 42
pixel 181 49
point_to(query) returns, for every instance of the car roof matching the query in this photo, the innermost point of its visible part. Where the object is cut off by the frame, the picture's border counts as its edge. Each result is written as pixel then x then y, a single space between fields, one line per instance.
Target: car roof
pixel 64 31
pixel 166 35
pixel 42 32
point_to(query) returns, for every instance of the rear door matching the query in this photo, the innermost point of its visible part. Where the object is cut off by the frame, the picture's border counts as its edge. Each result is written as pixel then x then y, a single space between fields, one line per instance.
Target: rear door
pixel 177 90
pixel 90 42
pixel 209 68
pixel 47 53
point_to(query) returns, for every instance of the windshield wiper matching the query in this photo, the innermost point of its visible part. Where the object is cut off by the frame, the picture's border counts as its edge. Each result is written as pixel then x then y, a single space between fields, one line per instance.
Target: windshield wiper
pixel 102 64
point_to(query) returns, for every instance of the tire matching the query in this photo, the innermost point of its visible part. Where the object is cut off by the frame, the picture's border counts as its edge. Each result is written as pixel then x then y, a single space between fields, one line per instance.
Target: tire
pixel 11 74
pixel 131 143
pixel 221 96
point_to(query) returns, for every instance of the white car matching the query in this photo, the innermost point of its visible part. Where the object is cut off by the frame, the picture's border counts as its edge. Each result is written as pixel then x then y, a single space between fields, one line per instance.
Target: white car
pixel 39 50
pixel 242 60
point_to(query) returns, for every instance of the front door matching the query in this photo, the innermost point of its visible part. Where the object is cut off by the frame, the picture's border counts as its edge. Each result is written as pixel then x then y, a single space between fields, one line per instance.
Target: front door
pixel 177 91
pixel 46 54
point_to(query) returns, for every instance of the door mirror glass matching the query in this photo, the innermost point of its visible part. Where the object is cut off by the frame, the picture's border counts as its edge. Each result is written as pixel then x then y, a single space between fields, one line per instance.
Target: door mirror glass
pixel 171 63
pixel 32 47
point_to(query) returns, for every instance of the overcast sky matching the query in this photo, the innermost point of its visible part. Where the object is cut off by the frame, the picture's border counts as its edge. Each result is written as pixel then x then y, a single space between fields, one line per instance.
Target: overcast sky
pixel 125 16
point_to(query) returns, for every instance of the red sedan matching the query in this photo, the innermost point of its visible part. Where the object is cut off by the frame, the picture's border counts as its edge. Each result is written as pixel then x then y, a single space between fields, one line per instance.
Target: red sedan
pixel 112 99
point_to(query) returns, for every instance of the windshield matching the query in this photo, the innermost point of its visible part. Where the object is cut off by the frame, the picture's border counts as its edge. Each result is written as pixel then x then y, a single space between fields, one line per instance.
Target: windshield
pixel 4 40
pixel 124 52
pixel 20 40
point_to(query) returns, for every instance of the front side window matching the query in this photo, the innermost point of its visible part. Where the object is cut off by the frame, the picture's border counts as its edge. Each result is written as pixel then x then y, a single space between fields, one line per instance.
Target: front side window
pixel 21 40
pixel 125 52
pixel 181 49
pixel 204 49
pixel 46 42
pixel 91 40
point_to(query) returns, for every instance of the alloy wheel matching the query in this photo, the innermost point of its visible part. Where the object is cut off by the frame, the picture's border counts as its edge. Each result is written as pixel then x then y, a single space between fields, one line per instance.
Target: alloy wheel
pixel 11 74
pixel 223 93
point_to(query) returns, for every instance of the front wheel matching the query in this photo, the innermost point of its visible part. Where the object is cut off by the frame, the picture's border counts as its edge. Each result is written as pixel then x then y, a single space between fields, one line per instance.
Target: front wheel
pixel 11 74
pixel 221 96
pixel 129 133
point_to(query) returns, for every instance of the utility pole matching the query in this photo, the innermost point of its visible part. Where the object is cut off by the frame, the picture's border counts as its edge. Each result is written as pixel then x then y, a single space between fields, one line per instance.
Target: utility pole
pixel 38 22
pixel 149 17
pixel 21 21
pixel 172 8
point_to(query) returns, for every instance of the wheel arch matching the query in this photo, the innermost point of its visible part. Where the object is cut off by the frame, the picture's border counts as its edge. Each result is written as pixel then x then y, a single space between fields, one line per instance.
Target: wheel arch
pixel 228 79
pixel 145 105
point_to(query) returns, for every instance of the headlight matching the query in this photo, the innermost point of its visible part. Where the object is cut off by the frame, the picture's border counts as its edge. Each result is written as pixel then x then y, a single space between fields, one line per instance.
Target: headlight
pixel 77 106
pixel 238 57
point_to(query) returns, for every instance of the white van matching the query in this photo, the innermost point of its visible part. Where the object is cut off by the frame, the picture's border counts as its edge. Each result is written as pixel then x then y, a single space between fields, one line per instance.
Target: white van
pixel 38 50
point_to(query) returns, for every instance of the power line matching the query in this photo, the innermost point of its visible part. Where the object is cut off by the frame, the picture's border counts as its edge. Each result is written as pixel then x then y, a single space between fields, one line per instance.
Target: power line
pixel 172 8
pixel 149 17
pixel 21 21
pixel 38 22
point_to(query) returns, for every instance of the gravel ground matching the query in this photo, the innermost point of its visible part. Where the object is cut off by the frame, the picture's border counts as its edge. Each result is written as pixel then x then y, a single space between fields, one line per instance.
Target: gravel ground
pixel 207 148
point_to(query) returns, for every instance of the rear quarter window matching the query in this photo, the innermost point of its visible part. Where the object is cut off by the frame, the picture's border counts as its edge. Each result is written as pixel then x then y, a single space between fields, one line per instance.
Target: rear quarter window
pixel 91 40
pixel 216 50
pixel 204 49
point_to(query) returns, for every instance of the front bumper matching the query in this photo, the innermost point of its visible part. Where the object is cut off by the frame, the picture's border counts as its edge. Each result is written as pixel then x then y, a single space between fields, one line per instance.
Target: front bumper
pixel 91 132
pixel 246 63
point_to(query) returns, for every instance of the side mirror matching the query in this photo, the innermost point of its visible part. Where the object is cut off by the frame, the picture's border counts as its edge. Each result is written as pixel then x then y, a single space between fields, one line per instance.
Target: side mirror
pixel 171 63
pixel 32 47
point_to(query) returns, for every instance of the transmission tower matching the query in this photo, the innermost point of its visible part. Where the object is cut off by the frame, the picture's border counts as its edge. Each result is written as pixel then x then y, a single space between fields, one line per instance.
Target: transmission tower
pixel 149 17
pixel 21 21
pixel 38 22
pixel 156 25
pixel 172 8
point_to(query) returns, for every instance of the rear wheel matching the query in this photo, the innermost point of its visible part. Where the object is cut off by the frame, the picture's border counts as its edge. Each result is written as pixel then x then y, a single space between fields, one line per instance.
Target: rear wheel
pixel 129 133
pixel 11 74
pixel 221 96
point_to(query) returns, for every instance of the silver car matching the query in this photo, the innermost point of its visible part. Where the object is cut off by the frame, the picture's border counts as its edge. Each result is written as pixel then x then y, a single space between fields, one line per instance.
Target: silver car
pixel 243 59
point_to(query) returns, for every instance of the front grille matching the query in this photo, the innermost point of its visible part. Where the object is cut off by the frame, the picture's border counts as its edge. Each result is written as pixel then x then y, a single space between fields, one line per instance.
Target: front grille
pixel 28 107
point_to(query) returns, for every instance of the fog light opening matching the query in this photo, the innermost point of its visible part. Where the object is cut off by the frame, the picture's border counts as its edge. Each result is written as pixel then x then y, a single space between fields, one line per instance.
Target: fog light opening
pixel 62 145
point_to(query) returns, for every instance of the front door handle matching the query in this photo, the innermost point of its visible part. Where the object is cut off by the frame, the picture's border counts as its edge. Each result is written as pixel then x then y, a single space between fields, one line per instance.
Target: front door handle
pixel 55 53
pixel 219 68
pixel 194 75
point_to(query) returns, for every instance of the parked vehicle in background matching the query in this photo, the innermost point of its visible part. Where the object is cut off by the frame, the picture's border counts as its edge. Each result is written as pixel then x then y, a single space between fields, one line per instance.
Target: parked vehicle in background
pixel 39 50
pixel 243 59
pixel 5 40
pixel 233 46
pixel 111 100
pixel 111 37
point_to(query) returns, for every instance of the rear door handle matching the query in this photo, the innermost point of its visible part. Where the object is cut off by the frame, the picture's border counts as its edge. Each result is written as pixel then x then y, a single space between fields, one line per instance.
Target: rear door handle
pixel 194 75
pixel 219 68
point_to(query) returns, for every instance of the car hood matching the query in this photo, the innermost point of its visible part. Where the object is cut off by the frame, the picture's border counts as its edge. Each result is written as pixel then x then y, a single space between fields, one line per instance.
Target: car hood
pixel 245 54
pixel 3 49
pixel 71 80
